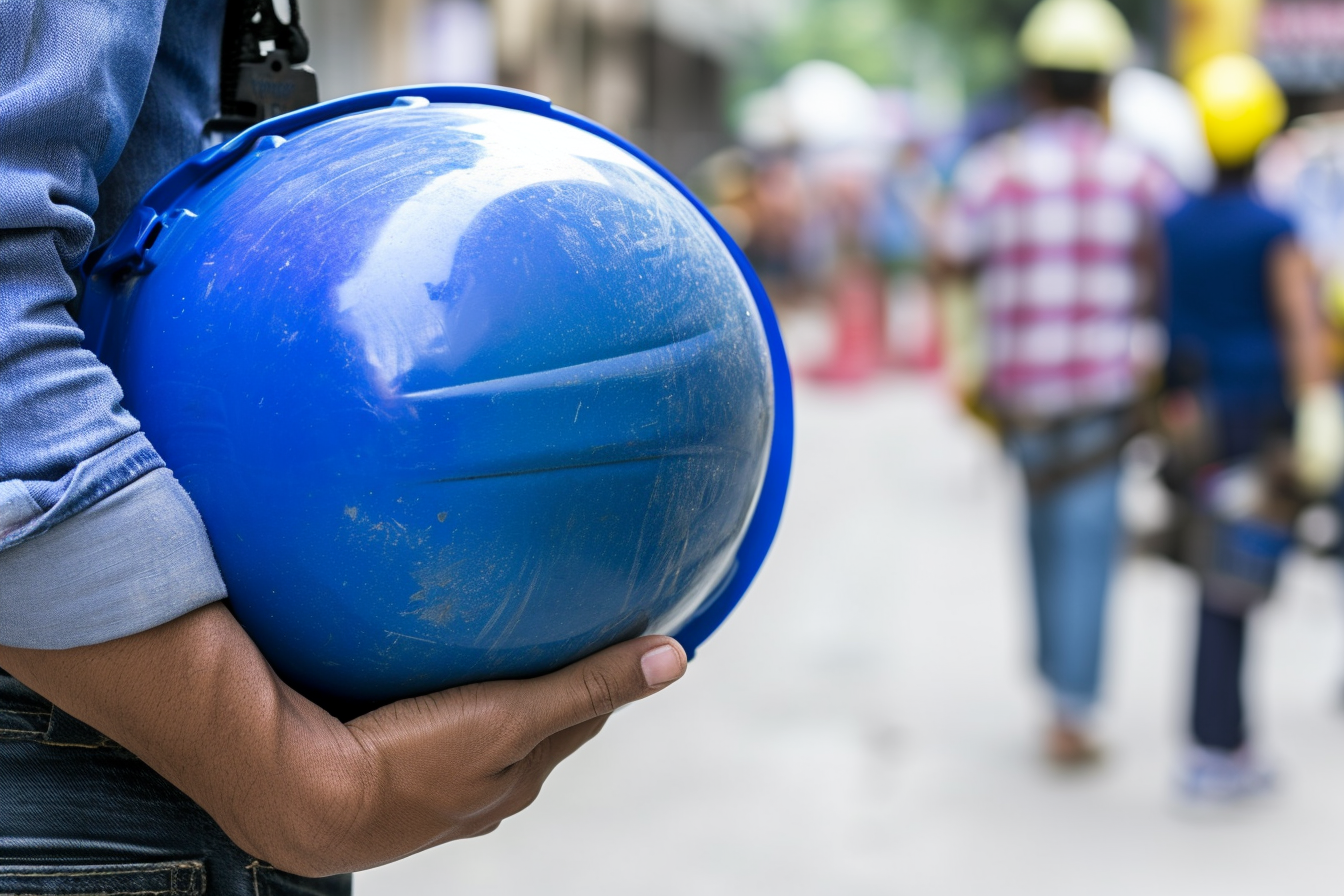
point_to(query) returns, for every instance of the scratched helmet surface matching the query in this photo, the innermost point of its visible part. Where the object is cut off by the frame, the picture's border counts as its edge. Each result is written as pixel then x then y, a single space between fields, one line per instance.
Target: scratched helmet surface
pixel 464 387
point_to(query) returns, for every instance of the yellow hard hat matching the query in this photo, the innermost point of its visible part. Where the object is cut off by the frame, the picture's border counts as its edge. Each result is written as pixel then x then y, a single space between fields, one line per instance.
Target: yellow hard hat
pixel 1075 35
pixel 1240 105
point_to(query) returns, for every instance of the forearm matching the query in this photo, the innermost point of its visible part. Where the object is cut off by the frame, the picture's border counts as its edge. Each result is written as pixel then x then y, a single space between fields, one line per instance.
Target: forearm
pixel 1307 363
pixel 291 784
pixel 197 702
pixel 1301 330
pixel 1306 357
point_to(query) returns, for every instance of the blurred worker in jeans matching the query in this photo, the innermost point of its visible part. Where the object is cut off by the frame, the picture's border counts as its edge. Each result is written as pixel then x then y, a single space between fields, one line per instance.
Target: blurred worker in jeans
pixel 1059 220
pixel 1255 423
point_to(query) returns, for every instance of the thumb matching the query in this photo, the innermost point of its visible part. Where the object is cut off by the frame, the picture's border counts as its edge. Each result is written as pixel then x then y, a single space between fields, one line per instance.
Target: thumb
pixel 600 684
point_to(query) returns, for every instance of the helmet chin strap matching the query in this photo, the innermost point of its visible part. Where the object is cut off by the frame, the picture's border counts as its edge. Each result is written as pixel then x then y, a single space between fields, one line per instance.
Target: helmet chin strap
pixel 261 74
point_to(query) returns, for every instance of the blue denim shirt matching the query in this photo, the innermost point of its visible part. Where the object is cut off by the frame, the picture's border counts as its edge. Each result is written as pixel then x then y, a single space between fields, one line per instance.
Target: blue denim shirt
pixel 98 99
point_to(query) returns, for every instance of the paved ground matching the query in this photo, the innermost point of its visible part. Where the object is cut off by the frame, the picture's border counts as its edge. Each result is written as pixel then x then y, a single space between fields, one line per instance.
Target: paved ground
pixel 866 723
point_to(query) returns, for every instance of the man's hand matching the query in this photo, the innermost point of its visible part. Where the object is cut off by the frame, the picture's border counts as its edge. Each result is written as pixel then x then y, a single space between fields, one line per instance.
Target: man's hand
pixel 292 785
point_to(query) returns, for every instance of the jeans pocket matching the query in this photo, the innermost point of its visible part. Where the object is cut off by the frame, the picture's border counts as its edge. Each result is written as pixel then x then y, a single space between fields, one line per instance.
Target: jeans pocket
pixel 268 881
pixel 23 714
pixel 149 879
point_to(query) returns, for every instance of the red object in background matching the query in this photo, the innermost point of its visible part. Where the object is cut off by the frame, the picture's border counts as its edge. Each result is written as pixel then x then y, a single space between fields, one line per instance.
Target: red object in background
pixel 914 331
pixel 928 356
pixel 862 348
pixel 858 307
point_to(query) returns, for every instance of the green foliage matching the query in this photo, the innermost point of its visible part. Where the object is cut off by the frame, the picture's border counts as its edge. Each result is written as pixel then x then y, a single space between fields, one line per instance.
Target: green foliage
pixel 863 34
pixel 896 42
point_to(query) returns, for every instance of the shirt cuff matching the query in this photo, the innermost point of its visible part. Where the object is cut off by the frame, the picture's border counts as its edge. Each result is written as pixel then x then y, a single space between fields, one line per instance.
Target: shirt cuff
pixel 136 559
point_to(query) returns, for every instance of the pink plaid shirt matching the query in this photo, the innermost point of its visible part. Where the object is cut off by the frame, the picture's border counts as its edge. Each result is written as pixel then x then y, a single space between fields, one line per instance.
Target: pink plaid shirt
pixel 1054 213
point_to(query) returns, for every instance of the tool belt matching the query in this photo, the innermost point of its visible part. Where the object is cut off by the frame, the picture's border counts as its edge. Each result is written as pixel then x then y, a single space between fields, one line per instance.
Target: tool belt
pixel 1043 479
pixel 1233 516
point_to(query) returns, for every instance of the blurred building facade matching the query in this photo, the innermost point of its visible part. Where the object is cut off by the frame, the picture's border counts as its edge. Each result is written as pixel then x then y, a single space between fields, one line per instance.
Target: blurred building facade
pixel 1301 42
pixel 652 70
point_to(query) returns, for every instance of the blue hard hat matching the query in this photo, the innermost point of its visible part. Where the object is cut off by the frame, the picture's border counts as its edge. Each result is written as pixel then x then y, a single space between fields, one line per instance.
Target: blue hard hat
pixel 464 386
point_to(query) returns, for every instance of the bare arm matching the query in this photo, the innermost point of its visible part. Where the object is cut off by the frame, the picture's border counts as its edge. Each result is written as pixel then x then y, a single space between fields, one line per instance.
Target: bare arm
pixel 1301 331
pixel 943 266
pixel 294 786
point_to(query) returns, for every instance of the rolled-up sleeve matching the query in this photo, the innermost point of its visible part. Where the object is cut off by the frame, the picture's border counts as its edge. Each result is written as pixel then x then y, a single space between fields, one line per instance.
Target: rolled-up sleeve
pixel 97 540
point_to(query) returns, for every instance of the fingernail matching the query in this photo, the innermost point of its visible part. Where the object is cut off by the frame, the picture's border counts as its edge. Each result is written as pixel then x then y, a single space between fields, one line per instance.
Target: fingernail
pixel 661 665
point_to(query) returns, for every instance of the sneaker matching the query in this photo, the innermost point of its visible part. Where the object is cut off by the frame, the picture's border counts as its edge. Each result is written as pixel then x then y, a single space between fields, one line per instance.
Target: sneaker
pixel 1222 776
pixel 1069 747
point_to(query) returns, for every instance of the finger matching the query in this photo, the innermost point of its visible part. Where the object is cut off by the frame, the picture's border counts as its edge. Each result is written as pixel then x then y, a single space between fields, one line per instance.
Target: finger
pixel 479 829
pixel 524 779
pixel 488 829
pixel 552 751
pixel 527 776
pixel 532 769
pixel 563 744
pixel 597 686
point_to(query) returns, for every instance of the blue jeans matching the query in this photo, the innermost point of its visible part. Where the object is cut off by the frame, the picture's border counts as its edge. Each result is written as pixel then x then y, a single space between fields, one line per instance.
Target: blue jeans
pixel 1073 531
pixel 82 815
pixel 1218 705
pixel 1218 712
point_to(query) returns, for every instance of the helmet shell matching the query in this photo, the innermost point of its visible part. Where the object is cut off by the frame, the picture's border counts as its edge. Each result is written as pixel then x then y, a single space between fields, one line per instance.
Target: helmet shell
pixel 1075 35
pixel 1240 105
pixel 464 388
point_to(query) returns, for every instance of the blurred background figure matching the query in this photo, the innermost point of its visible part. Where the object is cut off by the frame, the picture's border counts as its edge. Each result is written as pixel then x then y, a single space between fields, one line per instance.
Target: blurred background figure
pixel 1301 174
pixel 853 238
pixel 758 198
pixel 1252 414
pixel 1154 111
pixel 1058 219
pixel 835 118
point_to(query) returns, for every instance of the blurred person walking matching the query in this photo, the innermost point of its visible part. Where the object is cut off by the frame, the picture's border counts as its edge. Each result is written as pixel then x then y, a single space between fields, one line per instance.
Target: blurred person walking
pixel 1058 218
pixel 1255 423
